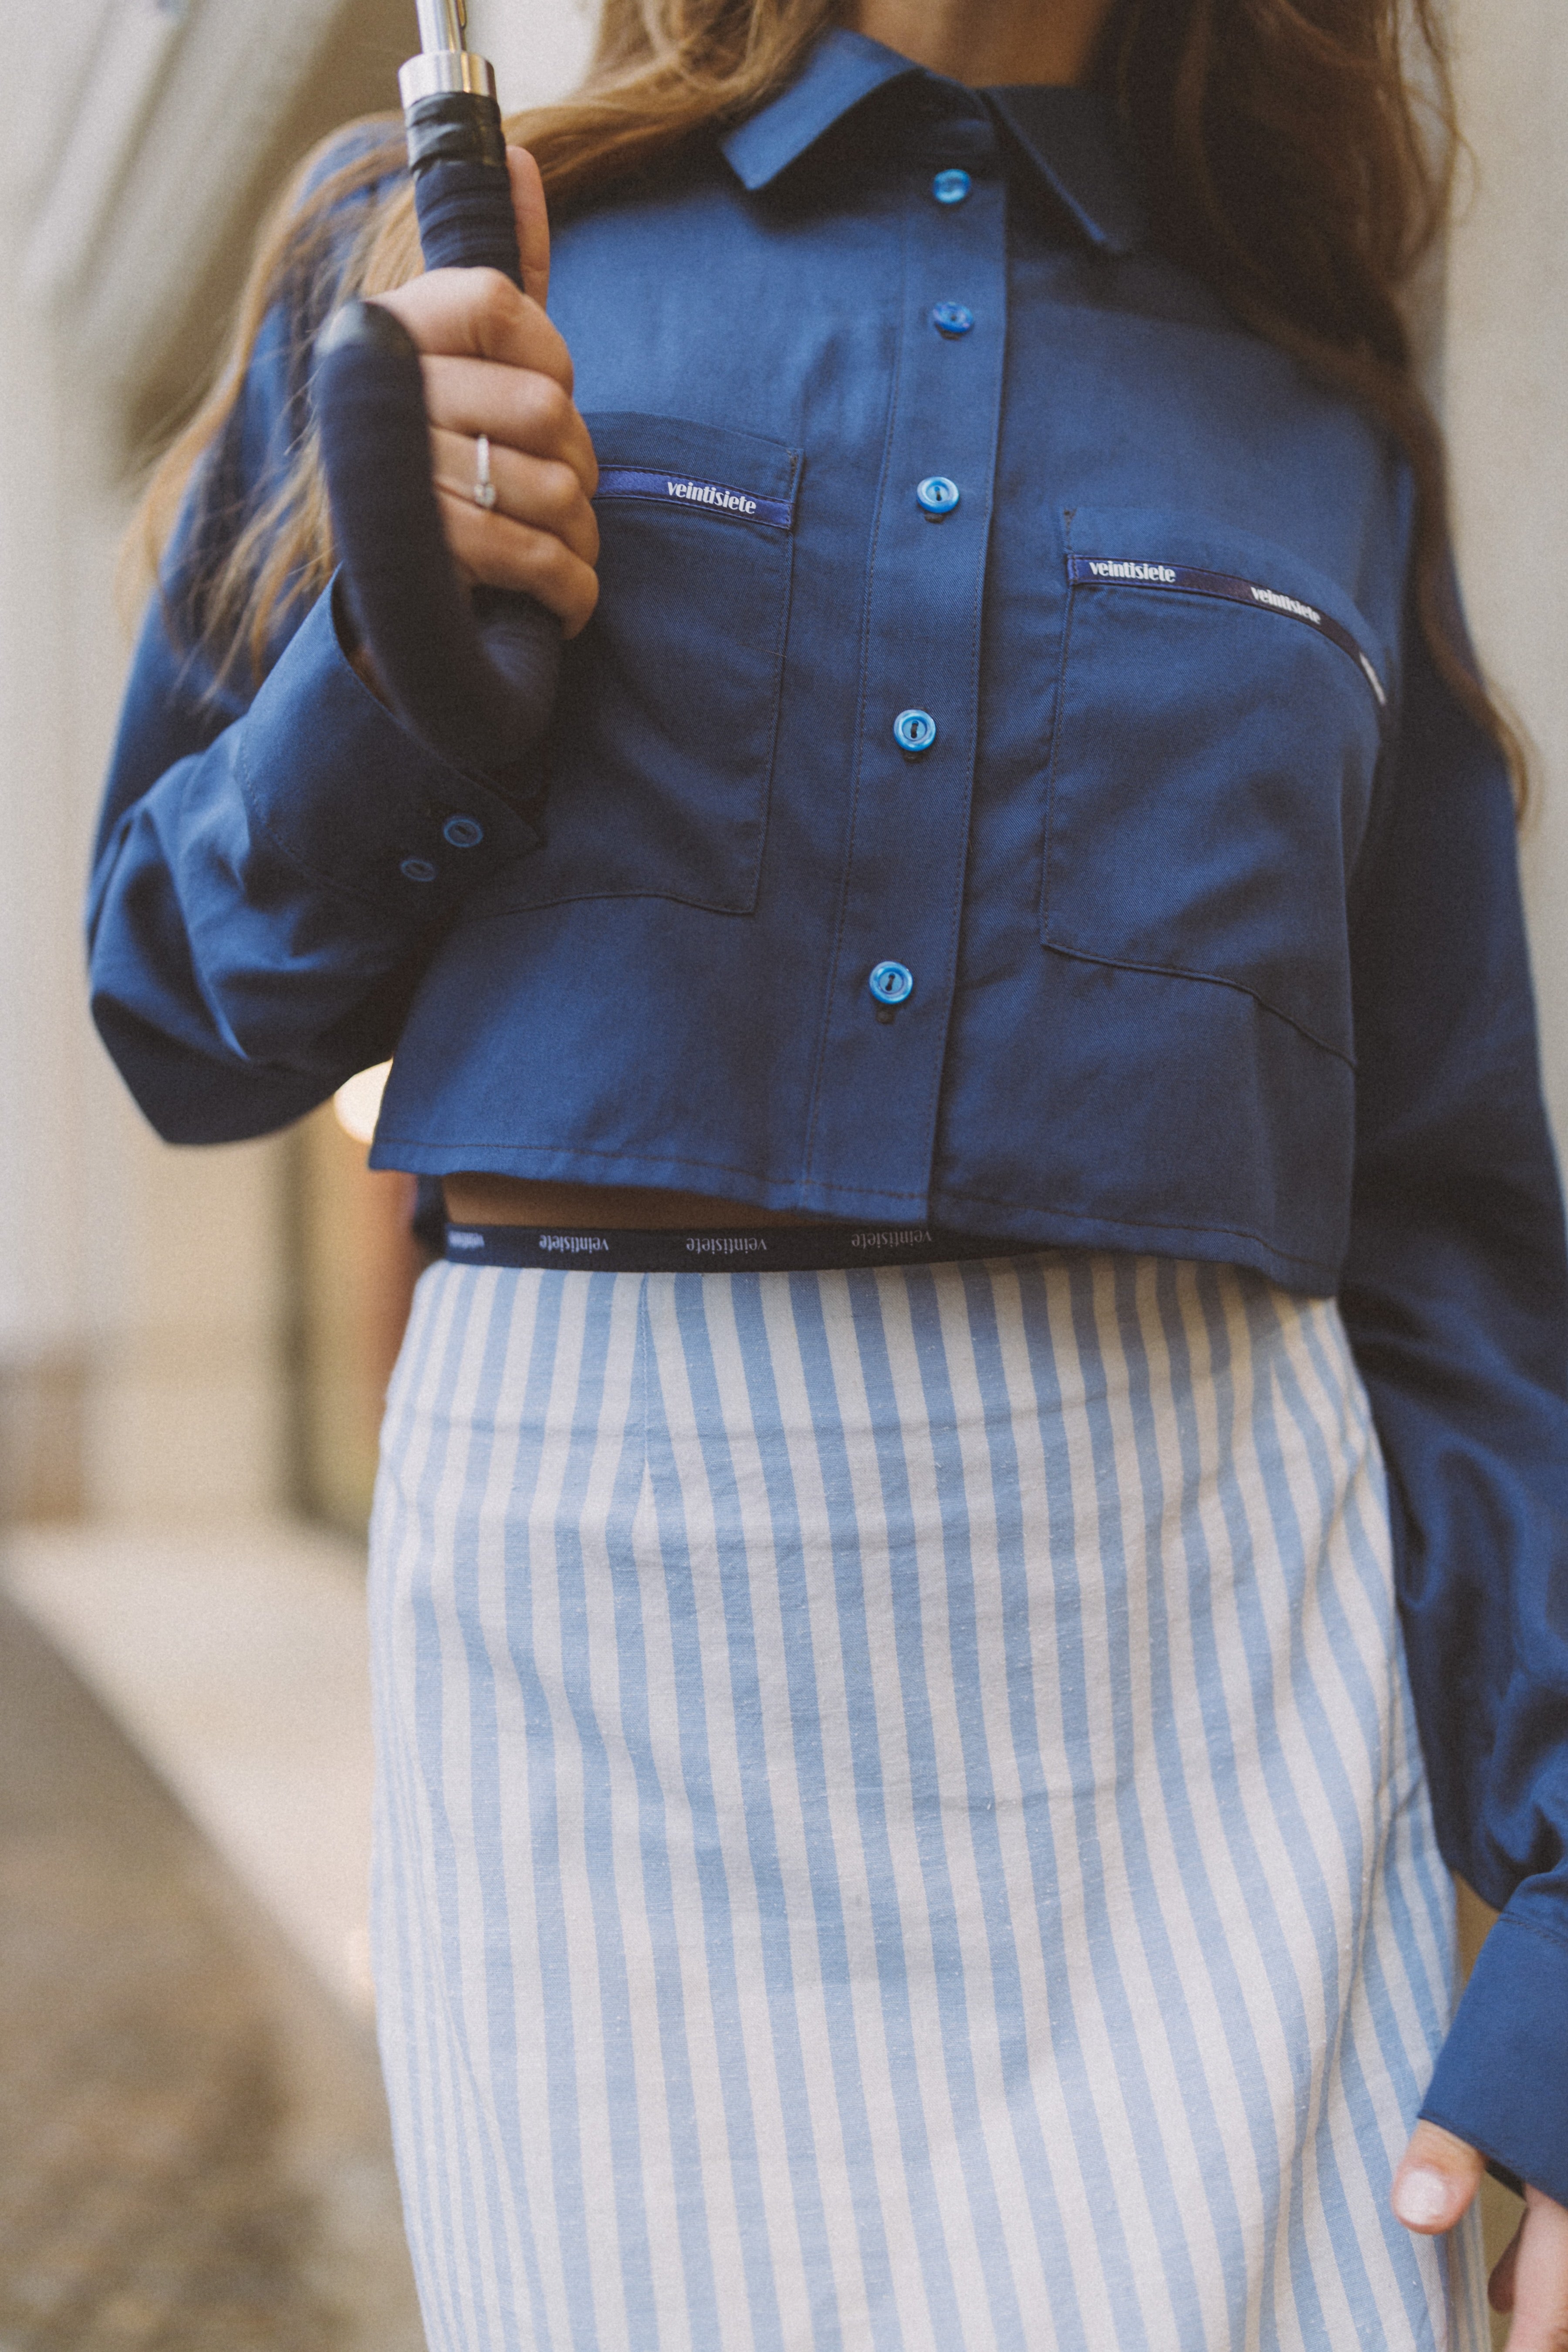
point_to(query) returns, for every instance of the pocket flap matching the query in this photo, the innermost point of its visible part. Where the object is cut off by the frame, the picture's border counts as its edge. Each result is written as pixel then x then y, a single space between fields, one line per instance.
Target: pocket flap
pixel 711 471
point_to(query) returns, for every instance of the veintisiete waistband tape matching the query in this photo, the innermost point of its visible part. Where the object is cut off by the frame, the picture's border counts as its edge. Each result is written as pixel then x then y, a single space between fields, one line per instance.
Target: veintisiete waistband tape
pixel 781 1249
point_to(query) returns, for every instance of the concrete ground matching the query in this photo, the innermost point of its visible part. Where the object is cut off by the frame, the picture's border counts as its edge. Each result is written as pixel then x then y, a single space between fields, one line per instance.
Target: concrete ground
pixel 193 2148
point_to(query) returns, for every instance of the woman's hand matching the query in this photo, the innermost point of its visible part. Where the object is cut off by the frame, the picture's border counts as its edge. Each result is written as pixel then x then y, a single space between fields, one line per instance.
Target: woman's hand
pixel 1436 2179
pixel 495 366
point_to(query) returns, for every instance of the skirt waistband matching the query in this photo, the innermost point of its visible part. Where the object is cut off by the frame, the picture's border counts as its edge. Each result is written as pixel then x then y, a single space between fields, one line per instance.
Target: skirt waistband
pixel 782 1249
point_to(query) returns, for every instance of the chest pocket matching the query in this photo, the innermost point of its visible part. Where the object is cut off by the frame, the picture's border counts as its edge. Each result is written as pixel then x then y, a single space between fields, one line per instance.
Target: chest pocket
pixel 660 758
pixel 1220 717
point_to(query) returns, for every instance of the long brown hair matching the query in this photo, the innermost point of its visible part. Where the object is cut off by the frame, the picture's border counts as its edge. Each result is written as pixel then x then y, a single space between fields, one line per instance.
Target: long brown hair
pixel 1288 159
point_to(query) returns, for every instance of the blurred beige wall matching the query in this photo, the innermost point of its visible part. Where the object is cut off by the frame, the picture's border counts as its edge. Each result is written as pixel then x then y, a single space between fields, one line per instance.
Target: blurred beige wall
pixel 143 1296
pixel 143 1292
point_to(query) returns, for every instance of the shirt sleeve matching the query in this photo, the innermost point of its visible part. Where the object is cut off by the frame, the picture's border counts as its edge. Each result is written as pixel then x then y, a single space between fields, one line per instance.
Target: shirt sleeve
pixel 272 870
pixel 1456 1298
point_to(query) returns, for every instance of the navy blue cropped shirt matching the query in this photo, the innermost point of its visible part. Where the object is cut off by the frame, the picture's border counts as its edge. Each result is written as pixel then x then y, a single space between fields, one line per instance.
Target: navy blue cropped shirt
pixel 1001 786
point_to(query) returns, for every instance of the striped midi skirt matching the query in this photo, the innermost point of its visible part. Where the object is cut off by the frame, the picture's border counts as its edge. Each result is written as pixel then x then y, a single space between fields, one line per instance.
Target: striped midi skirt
pixel 900 1827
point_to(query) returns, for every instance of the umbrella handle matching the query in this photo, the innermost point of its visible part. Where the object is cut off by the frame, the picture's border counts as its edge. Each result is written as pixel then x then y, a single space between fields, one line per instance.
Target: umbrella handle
pixel 474 675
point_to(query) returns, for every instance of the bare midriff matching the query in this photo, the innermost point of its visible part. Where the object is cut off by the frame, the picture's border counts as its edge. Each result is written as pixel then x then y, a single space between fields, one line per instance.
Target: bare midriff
pixel 480 1199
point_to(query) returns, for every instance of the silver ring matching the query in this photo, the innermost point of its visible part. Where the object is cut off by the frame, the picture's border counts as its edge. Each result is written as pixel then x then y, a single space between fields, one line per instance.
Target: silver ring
pixel 484 488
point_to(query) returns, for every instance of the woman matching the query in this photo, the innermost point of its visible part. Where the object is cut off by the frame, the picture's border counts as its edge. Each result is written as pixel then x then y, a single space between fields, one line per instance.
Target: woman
pixel 900 1818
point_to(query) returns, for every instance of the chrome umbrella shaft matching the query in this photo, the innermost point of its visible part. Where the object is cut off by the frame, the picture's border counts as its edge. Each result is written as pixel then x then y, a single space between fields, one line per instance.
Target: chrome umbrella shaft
pixel 445 64
pixel 442 23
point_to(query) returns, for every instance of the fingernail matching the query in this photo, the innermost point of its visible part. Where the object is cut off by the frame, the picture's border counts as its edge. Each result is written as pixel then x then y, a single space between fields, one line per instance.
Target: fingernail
pixel 1423 2198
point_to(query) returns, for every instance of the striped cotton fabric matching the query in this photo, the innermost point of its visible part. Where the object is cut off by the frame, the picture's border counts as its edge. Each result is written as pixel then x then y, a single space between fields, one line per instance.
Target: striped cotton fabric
pixel 899 1828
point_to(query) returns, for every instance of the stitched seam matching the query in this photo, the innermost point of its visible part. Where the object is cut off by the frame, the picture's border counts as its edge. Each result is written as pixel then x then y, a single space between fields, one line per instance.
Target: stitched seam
pixel 1217 596
pixel 741 899
pixel 825 1027
pixel 955 908
pixel 592 897
pixel 1056 716
pixel 630 453
pixel 472 918
pixel 1141 1224
pixel 1211 980
pixel 377 902
pixel 1532 1927
pixel 770 761
pixel 323 881
pixel 631 1159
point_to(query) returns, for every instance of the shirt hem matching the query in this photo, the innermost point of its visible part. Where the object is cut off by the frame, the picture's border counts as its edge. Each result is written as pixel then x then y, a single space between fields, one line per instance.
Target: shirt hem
pixel 1044 1224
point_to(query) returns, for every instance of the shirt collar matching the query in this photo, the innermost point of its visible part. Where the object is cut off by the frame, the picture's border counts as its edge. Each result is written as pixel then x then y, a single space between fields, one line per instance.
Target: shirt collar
pixel 1068 135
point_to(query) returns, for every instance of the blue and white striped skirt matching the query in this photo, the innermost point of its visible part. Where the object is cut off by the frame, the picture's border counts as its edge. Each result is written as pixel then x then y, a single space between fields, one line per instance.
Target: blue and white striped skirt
pixel 900 1827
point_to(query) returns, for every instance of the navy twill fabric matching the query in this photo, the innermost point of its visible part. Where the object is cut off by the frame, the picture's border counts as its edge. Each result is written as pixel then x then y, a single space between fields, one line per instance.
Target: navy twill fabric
pixel 1209 901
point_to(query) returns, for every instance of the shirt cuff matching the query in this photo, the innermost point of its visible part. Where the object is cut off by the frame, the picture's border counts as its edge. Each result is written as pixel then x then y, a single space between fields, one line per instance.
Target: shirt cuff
pixel 351 799
pixel 1501 2083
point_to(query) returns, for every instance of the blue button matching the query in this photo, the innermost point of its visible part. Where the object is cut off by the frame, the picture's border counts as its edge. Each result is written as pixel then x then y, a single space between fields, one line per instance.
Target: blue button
pixel 937 494
pixel 463 831
pixel 891 982
pixel 417 869
pixel 952 319
pixel 914 731
pixel 950 187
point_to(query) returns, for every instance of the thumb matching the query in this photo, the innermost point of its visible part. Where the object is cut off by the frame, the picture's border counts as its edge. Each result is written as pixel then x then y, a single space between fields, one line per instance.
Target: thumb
pixel 1437 2177
pixel 532 223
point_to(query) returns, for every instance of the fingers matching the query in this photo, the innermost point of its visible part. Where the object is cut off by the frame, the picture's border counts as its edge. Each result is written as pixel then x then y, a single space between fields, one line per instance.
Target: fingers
pixel 532 223
pixel 541 493
pixel 501 553
pixel 479 314
pixel 515 409
pixel 497 549
pixel 495 364
pixel 1437 2177
pixel 1531 2279
pixel 542 536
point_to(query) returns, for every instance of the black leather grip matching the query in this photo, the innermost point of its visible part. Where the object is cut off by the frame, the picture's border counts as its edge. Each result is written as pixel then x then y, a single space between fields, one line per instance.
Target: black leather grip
pixel 455 126
pixel 466 219
pixel 473 677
